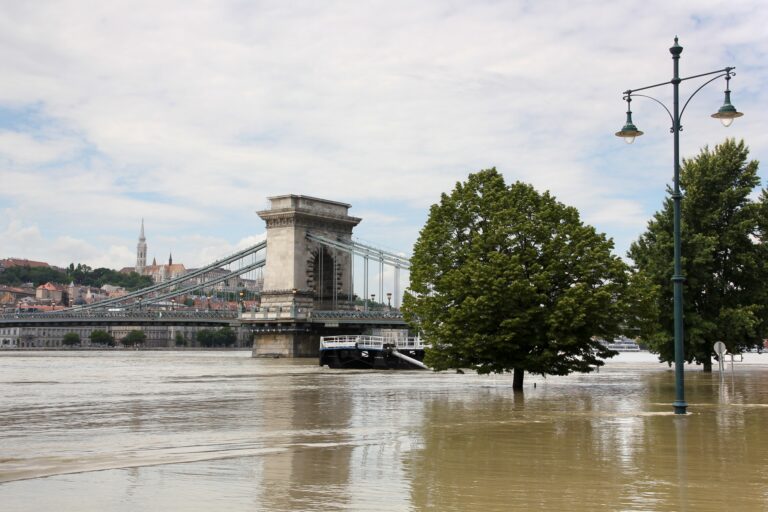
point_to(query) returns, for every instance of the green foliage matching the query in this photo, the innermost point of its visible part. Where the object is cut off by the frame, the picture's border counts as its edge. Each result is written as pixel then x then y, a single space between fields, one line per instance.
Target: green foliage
pixel 100 337
pixel 71 339
pixel 724 257
pixel 224 337
pixel 85 275
pixel 134 338
pixel 505 278
pixel 80 274
pixel 180 340
pixel 15 276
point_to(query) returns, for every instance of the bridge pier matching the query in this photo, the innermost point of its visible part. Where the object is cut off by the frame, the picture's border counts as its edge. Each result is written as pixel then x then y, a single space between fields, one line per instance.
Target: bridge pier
pixel 286 344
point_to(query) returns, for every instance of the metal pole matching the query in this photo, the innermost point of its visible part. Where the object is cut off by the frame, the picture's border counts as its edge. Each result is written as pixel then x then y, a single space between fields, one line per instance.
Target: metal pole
pixel 335 279
pixel 381 277
pixel 397 287
pixel 365 283
pixel 677 278
pixel 351 277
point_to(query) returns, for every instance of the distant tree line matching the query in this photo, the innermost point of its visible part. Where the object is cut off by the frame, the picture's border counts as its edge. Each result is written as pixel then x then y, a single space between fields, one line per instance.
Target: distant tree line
pixel 224 337
pixel 80 274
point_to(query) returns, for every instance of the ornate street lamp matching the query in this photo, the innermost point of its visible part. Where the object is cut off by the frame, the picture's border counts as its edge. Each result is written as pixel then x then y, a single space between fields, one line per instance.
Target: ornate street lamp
pixel 727 113
pixel 389 301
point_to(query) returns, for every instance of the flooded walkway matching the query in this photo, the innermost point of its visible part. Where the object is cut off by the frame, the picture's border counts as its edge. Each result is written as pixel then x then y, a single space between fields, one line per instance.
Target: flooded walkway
pixel 221 431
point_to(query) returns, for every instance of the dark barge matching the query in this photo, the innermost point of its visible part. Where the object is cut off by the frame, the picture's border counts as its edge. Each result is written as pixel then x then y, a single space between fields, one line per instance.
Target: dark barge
pixel 372 352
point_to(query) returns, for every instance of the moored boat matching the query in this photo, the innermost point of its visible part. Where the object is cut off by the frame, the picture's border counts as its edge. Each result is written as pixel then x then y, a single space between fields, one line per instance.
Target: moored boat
pixel 372 352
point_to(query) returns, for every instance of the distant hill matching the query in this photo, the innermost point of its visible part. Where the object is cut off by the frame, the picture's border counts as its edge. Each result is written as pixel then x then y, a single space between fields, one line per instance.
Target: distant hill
pixel 40 273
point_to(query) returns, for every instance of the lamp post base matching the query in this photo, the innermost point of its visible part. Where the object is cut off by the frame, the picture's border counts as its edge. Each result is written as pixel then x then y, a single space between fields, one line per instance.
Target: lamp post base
pixel 680 407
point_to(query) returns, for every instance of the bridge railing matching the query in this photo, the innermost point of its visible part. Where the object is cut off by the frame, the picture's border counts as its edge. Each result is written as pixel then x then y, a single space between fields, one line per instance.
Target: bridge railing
pixel 277 313
pixel 128 314
pixel 307 314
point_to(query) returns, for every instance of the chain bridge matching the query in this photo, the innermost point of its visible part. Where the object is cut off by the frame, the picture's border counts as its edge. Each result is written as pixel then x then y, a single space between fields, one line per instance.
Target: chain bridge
pixel 309 278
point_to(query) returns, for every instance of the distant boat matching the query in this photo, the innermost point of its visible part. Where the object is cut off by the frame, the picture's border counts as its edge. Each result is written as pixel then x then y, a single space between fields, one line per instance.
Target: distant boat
pixel 624 346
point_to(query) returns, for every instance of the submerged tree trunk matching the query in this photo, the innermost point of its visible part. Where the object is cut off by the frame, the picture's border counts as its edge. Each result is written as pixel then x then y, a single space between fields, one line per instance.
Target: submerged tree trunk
pixel 707 364
pixel 517 379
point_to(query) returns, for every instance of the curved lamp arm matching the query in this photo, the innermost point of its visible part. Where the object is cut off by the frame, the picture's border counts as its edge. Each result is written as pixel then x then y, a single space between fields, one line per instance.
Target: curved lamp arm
pixel 726 74
pixel 671 118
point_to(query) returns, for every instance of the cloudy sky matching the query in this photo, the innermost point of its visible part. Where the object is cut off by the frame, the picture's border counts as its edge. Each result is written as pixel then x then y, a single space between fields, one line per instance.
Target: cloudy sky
pixel 191 113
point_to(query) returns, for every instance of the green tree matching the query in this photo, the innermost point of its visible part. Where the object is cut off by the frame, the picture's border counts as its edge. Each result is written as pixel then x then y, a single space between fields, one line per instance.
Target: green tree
pixel 205 337
pixel 180 340
pixel 226 337
pixel 724 255
pixel 71 339
pixel 134 338
pixel 101 337
pixel 504 278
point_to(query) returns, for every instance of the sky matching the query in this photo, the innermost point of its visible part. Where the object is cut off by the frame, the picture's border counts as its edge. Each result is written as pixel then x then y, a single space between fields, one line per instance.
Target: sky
pixel 190 114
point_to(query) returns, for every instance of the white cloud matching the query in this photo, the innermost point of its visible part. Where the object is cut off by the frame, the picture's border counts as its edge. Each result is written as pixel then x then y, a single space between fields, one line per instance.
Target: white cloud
pixel 191 113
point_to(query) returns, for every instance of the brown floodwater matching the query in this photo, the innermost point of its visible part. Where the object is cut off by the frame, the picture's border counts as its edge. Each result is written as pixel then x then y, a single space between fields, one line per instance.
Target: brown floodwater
pixel 198 431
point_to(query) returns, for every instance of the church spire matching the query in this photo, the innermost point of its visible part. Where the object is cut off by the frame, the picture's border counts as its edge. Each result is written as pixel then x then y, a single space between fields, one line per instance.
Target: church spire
pixel 170 259
pixel 141 251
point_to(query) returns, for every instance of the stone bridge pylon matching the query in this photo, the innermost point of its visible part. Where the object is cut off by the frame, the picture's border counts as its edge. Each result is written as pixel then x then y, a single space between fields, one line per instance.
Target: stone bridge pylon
pixel 300 275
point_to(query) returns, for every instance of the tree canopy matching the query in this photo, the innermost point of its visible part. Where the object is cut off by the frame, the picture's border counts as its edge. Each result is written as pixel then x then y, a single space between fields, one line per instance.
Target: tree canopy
pixel 504 278
pixel 724 257
pixel 17 275
pixel 224 337
pixel 101 337
pixel 71 339
pixel 80 274
pixel 134 338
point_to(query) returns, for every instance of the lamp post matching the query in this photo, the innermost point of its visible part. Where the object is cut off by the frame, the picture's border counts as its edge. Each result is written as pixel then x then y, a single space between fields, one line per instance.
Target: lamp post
pixel 373 300
pixel 727 113
pixel 389 301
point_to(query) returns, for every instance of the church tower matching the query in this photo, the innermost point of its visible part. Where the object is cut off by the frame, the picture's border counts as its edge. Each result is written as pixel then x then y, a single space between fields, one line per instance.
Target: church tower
pixel 141 251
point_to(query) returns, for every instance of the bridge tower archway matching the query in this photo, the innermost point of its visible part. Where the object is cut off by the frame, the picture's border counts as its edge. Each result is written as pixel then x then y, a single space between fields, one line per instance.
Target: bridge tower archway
pixel 300 274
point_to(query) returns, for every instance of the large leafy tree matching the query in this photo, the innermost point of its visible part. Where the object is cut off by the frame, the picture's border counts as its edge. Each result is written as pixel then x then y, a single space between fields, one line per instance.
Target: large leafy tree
pixel 504 278
pixel 724 257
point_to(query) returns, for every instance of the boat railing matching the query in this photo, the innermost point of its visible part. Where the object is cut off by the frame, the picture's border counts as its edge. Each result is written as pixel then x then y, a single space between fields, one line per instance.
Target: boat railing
pixel 624 347
pixel 370 342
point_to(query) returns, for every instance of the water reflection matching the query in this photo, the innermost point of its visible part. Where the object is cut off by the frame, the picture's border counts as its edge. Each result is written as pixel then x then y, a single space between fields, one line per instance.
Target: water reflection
pixel 313 474
pixel 592 448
